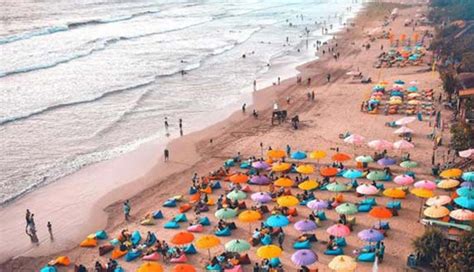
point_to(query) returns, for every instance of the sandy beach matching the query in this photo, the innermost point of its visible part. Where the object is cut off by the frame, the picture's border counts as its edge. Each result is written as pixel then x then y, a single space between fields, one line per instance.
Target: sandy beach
pixel 147 181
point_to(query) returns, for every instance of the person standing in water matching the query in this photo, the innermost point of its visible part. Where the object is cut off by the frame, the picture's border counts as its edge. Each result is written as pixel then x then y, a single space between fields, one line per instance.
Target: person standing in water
pixel 181 126
pixel 167 155
pixel 254 85
pixel 50 231
pixel 243 107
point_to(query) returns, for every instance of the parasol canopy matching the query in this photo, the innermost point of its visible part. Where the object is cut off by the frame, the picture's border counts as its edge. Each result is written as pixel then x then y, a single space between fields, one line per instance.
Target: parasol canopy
pixel 394 193
pixel 304 257
pixel 249 216
pixel 269 252
pixel 277 221
pixel 237 245
pixel 305 225
pixel 462 215
pixel 308 185
pixel 343 263
pixel 339 230
pixel 438 200
pixel 436 211
pixel 448 183
pixel 287 201
pixel 370 235
pixel 346 208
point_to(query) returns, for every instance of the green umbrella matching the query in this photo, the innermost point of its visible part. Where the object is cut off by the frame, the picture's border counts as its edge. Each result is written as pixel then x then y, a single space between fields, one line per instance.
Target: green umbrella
pixel 237 245
pixel 376 175
pixel 346 208
pixel 337 187
pixel 236 195
pixel 225 213
pixel 364 158
pixel 409 164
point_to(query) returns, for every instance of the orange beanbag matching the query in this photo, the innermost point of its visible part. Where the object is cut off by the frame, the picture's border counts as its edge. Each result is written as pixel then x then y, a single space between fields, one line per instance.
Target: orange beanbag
pixel 61 260
pixel 185 207
pixel 208 190
pixel 211 202
pixel 195 197
pixel 89 242
pixel 340 198
pixel 117 253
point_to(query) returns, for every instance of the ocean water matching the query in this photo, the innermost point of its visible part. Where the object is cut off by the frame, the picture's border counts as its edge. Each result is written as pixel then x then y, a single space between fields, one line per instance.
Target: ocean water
pixel 85 81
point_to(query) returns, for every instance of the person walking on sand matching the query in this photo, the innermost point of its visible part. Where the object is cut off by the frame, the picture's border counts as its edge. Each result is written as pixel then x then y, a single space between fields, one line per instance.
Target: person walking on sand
pixel 181 126
pixel 278 80
pixel 254 85
pixel 288 150
pixel 312 95
pixel 166 123
pixel 28 218
pixel 167 155
pixel 281 238
pixel 126 209
pixel 329 77
pixel 243 107
pixel 50 230
pixel 32 221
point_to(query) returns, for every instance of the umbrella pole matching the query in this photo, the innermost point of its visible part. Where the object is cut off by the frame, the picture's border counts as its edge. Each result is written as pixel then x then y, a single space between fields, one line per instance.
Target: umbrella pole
pixel 421 208
pixel 209 251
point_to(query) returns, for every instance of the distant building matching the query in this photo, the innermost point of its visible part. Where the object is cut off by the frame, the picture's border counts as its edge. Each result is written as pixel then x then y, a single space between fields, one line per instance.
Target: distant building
pixel 466 97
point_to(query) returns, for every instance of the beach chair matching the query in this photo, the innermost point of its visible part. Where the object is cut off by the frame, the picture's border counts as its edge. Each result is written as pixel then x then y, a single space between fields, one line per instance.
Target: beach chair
pixel 341 242
pixel 196 228
pixel 157 215
pixel 223 233
pixel 302 245
pixel 171 225
pixel 334 252
pixel 190 249
pixel 368 257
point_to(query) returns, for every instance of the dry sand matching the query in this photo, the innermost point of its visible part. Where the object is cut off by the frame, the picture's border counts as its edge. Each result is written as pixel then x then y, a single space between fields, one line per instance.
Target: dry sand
pixel 336 110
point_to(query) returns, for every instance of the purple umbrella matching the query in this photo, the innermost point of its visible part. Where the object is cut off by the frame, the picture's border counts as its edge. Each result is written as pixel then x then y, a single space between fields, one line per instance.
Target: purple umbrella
pixel 467 184
pixel 386 161
pixel 370 235
pixel 317 205
pixel 305 225
pixel 260 180
pixel 261 197
pixel 304 257
pixel 260 165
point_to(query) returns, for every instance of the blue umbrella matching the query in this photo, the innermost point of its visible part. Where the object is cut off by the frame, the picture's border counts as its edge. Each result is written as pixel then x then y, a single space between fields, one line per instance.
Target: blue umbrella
pixel 378 88
pixel 396 93
pixel 468 176
pixel 277 221
pixel 386 161
pixel 465 202
pixel 412 89
pixel 465 191
pixel 298 155
pixel 399 81
pixel 352 174
pixel 370 235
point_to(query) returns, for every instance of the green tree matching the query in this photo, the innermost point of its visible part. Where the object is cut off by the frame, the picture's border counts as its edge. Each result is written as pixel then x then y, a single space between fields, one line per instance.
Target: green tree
pixel 428 245
pixel 462 136
pixel 456 256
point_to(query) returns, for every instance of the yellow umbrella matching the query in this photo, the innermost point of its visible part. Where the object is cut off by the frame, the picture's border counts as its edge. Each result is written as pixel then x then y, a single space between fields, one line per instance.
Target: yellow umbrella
pixel 283 182
pixel 451 173
pixel 394 193
pixel 308 185
pixel 276 154
pixel 208 242
pixel 249 216
pixel 150 267
pixel 448 183
pixel 413 102
pixel 269 252
pixel 343 263
pixel 422 193
pixel 395 102
pixel 287 201
pixel 305 169
pixel 436 211
pixel 317 155
pixel 281 167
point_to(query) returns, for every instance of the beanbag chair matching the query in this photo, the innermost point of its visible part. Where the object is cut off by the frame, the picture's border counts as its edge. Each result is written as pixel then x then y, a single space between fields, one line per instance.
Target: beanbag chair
pixel 369 201
pixel 245 165
pixel 229 163
pixel 196 228
pixel 321 215
pixel 292 211
pixel 185 207
pixel 180 259
pixel 204 209
pixel 205 221
pixel 157 214
pixel 368 257
pixel 247 189
pixel 101 235
pixel 216 268
pixel 394 205
pixel 114 242
pixel 211 202
pixel 151 241
pixel 180 218
pixel 136 237
pixel 151 257
pixel 195 198
pixel 119 269
pixel 89 242
pixel 341 242
pixel 117 253
pixel 170 203
pixel 224 232
pixel 242 205
pixel 337 251
pixel 132 255
pixel 244 259
pixel 171 225
pixel 147 222
pixel 216 185
pixel 177 197
pixel 192 190
pixel 105 249
pixel 236 268
pixel 61 260
pixel 364 208
pixel 274 262
pixel 49 268
pixel 190 249
pixel 266 240
pixel 302 245
pixel 208 190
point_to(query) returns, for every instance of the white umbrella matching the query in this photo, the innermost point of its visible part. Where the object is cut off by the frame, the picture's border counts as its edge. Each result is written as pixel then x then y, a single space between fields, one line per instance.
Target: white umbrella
pixel 354 139
pixel 467 153
pixel 405 120
pixel 403 130
pixel 402 145
pixel 380 144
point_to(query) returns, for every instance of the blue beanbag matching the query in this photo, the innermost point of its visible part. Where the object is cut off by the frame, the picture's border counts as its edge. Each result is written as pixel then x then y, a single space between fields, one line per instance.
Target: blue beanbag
pixel 224 232
pixel 170 203
pixel 337 251
pixel 114 242
pixel 364 208
pixel 205 221
pixel 366 257
pixel 394 205
pixel 215 267
pixel 302 245
pixel 216 185
pixel 119 269
pixel 275 262
pixel 136 237
pixel 323 188
pixel 380 186
pixel 49 268
pixel 190 249
pixel 266 240
pixel 369 201
pixel 171 225
pixel 130 256
pixel 321 215
pixel 192 190
pixel 341 242
pixel 245 165
pixel 101 235
pixel 180 218
pixel 151 241
pixel 229 163
pixel 157 215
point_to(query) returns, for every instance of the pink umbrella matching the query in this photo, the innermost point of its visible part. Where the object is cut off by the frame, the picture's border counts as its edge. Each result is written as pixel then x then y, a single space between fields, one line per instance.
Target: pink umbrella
pixel 425 184
pixel 354 139
pixel 405 120
pixel 380 144
pixel 402 145
pixel 403 180
pixel 339 230
pixel 438 200
pixel 317 205
pixel 366 189
pixel 467 153
pixel 403 130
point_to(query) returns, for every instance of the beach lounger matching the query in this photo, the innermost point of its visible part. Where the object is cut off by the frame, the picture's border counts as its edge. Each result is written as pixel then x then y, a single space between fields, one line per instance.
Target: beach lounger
pixel 89 242
pixel 105 249
pixel 171 225
pixel 132 255
pixel 147 222
pixel 364 208
pixel 151 257
pixel 180 259
pixel 223 233
pixel 49 268
pixel 196 228
pixel 204 221
pixel 214 268
pixel 332 252
pixel 180 218
pixel 185 207
pixel 170 203
pixel 157 215
pixel 369 201
pixel 302 245
pixel 368 257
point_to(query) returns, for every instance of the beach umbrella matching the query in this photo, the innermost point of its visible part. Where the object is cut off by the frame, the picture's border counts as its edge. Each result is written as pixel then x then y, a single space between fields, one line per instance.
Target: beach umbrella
pixel 304 257
pixel 208 242
pixel 380 144
pixel 287 201
pixel 465 202
pixel 354 139
pixel 346 208
pixel 339 230
pixel 448 183
pixel 395 101
pixel 182 238
pixel 403 145
pixel 317 155
pixel 386 161
pixel 380 213
pixel 462 215
pixel 317 205
pixel 405 120
pixel 260 180
pixel 236 195
pixel 399 82
pixel 352 174
pixel 340 157
pixel 261 197
pixel 376 175
pixel 298 155
pixel 451 173
pixel 370 235
pixel 412 88
pixel 343 263
pixel 283 182
pixel 239 178
pixel 276 154
pixel 394 193
pixel 337 187
pixel 150 267
pixel 413 95
pixel 468 176
pixel 237 245
pixel 281 167
pixel 260 165
pixel 305 169
pixel 403 180
pixel 184 268
pixel 269 252
pixel 425 184
pixel 308 185
pixel 413 102
pixel 366 189
pixel 422 192
pixel 328 171
pixel 277 221
pixel 305 225
pixel 249 216
pixel 438 200
pixel 225 213
pixel 364 159
pixel 413 82
pixel 408 164
pixel 403 130
pixel 465 191
pixel 467 153
pixel 467 184
pixel 436 211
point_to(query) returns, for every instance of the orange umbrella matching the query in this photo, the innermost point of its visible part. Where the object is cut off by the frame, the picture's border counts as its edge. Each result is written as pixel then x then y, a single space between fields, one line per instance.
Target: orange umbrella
pixel 239 178
pixel 182 238
pixel 281 167
pixel 184 268
pixel 380 213
pixel 276 154
pixel 340 157
pixel 328 171
pixel 283 182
